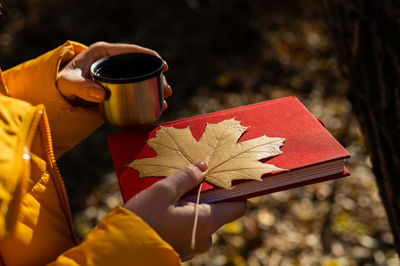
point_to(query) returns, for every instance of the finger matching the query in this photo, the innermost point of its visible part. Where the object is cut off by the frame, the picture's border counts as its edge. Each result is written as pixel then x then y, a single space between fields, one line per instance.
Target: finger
pixel 182 181
pixel 202 245
pixel 167 91
pixel 118 48
pixel 77 86
pixel 188 257
pixel 213 216
pixel 165 105
pixel 165 68
pixel 167 88
pixel 103 49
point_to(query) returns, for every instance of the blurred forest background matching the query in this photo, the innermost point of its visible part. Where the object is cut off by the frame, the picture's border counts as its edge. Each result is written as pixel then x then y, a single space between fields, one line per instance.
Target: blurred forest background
pixel 224 54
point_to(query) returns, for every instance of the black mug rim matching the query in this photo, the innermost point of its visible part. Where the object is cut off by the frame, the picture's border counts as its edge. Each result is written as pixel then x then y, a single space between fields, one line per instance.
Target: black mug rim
pixel 94 68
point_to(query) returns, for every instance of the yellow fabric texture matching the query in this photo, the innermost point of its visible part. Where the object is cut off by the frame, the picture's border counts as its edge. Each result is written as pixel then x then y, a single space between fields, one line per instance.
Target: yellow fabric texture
pixel 34 224
pixel 14 127
pixel 41 229
pixel 135 244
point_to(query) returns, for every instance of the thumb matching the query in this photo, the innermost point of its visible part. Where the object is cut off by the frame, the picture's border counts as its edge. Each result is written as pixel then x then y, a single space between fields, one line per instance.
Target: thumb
pixel 184 180
pixel 86 89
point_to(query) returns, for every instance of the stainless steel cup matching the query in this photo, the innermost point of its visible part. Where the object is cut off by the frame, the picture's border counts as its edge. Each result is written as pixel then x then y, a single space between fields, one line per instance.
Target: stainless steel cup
pixel 134 88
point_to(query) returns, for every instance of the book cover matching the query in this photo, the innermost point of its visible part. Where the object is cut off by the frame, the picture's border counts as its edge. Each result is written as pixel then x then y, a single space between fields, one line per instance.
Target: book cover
pixel 310 152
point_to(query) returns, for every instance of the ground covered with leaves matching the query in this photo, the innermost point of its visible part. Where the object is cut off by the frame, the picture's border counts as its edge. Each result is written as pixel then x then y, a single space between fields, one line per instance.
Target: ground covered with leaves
pixel 225 54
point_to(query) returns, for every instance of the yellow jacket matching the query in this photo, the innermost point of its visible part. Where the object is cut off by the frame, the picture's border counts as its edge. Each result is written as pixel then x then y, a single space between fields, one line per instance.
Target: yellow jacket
pixel 35 219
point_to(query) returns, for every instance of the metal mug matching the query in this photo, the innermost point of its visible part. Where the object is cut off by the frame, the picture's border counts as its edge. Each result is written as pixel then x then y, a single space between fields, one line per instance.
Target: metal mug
pixel 134 88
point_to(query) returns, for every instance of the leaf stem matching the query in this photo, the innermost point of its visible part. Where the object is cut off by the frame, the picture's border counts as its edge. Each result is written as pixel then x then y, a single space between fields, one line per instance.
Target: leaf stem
pixel 196 217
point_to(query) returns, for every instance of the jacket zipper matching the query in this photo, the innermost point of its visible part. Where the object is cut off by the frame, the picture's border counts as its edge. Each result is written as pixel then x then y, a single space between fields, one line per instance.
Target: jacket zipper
pixel 53 168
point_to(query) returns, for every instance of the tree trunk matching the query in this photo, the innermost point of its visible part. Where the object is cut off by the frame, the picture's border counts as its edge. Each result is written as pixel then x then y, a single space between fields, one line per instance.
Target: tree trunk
pixel 366 34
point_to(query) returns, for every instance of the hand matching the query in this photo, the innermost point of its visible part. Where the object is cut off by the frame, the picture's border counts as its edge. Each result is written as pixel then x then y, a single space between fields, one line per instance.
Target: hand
pixel 74 81
pixel 160 206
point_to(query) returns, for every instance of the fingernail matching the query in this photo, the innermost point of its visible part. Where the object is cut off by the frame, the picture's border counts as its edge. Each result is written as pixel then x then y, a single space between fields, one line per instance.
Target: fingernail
pixel 165 105
pixel 165 65
pixel 96 94
pixel 202 166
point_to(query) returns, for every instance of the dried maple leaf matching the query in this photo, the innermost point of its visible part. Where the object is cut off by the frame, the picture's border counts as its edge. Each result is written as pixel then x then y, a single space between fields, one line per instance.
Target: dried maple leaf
pixel 227 158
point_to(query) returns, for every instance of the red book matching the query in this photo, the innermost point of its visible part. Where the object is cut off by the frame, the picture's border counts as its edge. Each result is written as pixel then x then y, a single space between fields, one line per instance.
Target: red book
pixel 310 153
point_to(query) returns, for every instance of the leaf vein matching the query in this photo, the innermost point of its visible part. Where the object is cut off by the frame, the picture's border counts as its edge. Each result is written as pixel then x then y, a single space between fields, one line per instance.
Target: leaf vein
pixel 179 148
pixel 236 155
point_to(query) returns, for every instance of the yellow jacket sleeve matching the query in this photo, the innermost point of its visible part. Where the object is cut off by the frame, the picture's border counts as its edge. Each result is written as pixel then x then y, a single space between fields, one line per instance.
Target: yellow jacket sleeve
pixel 32 220
pixel 121 238
pixel 35 82
pixel 123 233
